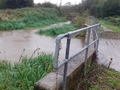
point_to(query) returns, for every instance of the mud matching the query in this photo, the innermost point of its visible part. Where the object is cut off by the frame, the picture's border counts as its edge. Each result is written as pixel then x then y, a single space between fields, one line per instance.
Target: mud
pixel 17 43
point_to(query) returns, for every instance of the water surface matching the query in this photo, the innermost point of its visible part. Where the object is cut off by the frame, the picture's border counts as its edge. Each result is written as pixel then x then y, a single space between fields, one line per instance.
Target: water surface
pixel 17 43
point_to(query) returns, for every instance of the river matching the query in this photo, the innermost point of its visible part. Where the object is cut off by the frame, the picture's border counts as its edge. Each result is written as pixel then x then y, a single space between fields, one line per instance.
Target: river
pixel 17 43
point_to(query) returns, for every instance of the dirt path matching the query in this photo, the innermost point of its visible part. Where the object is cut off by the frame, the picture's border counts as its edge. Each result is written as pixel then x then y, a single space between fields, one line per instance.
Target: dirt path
pixel 109 48
pixel 105 28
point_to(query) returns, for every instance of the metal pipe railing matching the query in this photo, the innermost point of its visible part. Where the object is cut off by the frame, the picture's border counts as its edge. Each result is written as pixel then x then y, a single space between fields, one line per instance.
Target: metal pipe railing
pixel 95 33
pixel 86 53
pixel 66 64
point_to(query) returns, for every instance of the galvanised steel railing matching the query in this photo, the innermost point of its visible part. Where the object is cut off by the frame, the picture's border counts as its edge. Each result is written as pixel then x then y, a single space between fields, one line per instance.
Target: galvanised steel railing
pixel 95 28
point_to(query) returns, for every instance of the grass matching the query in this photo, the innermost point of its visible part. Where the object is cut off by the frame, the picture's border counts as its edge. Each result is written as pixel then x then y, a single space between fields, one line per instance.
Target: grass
pixel 101 29
pixel 110 25
pixel 77 22
pixel 12 24
pixel 22 76
pixel 57 30
pixel 100 77
pixel 28 17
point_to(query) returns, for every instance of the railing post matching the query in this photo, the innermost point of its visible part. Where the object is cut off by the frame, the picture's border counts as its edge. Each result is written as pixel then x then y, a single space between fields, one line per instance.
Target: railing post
pixel 98 33
pixel 86 52
pixel 96 37
pixel 57 50
pixel 66 64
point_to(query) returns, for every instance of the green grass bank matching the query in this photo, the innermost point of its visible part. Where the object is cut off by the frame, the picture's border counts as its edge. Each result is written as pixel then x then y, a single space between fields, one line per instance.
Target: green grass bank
pixel 57 30
pixel 28 17
pixel 77 23
pixel 22 76
pixel 112 23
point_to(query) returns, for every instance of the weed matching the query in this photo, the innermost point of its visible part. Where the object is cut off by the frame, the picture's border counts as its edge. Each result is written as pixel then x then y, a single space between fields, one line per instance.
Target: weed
pixel 99 77
pixel 22 76
pixel 94 87
pixel 81 20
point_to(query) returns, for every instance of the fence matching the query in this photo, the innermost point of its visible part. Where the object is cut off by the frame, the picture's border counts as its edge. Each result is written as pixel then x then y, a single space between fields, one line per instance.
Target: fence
pixel 94 30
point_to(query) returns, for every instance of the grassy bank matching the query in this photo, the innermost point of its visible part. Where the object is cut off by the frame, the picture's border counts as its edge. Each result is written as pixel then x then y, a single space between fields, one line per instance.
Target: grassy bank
pixel 28 17
pixel 100 78
pixel 112 23
pixel 57 30
pixel 22 76
pixel 101 29
pixel 77 23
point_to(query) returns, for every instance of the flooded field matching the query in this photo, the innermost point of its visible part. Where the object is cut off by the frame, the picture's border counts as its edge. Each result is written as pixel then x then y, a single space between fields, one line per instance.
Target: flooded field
pixel 17 43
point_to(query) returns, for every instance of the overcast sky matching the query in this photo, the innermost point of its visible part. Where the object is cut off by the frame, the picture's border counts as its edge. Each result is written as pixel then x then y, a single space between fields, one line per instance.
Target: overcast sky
pixel 58 1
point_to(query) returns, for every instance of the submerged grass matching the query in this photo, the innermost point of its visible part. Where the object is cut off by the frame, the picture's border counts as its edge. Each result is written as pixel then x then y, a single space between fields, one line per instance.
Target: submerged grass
pixel 57 30
pixel 22 76
pixel 100 77
pixel 28 17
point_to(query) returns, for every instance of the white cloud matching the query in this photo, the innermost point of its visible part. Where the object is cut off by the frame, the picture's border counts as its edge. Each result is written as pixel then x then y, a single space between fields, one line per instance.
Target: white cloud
pixel 58 1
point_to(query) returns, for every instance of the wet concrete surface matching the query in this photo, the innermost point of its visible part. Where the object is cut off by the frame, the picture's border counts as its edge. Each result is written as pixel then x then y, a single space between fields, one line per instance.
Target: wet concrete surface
pixel 15 43
pixel 110 35
pixel 109 48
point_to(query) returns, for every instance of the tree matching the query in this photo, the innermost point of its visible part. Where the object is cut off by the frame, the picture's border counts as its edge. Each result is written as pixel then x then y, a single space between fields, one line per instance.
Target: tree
pixel 102 8
pixel 48 5
pixel 2 4
pixel 111 8
pixel 16 3
pixel 97 10
pixel 12 4
pixel 25 3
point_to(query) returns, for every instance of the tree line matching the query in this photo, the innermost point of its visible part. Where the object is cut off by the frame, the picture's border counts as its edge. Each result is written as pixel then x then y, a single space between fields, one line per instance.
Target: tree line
pixel 12 4
pixel 97 8
pixel 103 8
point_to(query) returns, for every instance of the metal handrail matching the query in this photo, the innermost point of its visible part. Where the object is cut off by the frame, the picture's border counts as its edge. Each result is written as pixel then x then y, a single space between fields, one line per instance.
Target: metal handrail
pixel 95 31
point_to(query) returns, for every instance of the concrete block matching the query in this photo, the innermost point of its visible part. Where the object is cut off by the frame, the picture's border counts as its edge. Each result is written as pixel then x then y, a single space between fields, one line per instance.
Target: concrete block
pixel 49 82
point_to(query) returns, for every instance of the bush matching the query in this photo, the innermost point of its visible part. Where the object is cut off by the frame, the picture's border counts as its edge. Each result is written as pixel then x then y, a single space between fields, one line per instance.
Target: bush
pixel 80 20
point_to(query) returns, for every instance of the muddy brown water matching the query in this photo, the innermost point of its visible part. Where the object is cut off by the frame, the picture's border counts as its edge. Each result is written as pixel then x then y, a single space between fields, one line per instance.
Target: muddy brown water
pixel 12 44
pixel 109 47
